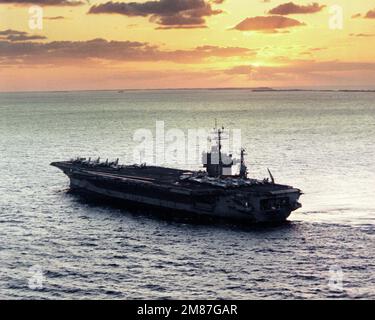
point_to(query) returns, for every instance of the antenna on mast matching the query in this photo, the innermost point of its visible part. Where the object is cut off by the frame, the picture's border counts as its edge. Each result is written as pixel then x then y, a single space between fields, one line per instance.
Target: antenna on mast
pixel 219 133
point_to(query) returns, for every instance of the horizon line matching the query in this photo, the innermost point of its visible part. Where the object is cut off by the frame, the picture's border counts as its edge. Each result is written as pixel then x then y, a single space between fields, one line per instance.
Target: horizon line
pixel 253 89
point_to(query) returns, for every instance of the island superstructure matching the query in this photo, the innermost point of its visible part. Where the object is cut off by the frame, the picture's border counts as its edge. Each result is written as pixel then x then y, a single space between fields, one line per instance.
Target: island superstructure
pixel 214 193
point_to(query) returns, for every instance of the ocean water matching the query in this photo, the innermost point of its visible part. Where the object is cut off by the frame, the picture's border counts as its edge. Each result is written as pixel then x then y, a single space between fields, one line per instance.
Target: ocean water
pixel 54 245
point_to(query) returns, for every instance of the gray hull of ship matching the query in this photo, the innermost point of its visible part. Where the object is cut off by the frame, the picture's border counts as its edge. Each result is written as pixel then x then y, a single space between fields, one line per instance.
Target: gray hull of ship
pixel 224 207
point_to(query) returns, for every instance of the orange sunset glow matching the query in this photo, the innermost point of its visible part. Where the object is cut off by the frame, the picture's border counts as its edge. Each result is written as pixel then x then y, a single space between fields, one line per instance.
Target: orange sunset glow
pixel 141 44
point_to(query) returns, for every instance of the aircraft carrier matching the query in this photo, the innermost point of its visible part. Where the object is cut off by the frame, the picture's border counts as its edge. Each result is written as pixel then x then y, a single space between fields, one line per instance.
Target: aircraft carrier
pixel 213 193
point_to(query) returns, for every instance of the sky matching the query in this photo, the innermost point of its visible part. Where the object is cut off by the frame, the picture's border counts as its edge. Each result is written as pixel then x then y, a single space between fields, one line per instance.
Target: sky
pixel 139 44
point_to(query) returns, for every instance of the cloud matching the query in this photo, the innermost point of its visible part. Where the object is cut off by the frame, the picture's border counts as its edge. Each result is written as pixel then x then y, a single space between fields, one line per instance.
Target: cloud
pixel 181 27
pixel 292 8
pixel 268 24
pixel 14 35
pixel 370 14
pixel 12 32
pixel 303 69
pixel 73 52
pixel 311 51
pixel 54 18
pixel 25 37
pixel 44 2
pixel 168 14
pixel 362 35
pixel 240 70
pixel 204 52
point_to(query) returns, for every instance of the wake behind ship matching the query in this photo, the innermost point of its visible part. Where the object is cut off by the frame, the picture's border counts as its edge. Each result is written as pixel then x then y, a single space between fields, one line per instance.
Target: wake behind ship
pixel 213 193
